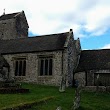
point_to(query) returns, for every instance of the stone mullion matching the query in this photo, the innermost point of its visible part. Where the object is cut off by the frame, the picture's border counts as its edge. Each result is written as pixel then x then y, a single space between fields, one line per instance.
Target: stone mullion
pixel 22 67
pixel 39 65
pixel 18 67
pixel 15 63
pixel 48 67
pixel 43 66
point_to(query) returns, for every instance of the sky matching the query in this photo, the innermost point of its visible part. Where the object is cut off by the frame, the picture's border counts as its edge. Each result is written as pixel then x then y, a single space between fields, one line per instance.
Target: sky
pixel 89 19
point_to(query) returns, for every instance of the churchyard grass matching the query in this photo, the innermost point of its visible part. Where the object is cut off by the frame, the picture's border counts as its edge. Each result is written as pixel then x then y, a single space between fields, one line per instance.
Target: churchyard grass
pixel 89 100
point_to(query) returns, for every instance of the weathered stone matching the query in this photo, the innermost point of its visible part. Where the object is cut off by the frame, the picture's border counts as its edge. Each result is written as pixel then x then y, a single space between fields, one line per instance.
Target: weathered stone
pixel 32 68
pixel 77 99
pixel 59 108
pixel 63 84
pixel 64 59
pixel 13 28
pixel 63 64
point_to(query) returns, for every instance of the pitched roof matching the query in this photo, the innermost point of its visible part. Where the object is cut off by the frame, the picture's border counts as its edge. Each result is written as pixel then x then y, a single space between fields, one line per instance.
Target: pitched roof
pixel 94 59
pixel 8 16
pixel 34 44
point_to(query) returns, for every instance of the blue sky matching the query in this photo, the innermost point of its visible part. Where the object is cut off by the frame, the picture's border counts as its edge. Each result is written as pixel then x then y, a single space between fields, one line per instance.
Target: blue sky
pixel 89 19
pixel 96 42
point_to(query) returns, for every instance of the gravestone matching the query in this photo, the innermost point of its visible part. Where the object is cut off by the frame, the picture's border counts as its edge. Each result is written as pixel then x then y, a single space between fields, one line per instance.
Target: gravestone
pixel 63 84
pixel 78 90
pixel 59 108
pixel 77 99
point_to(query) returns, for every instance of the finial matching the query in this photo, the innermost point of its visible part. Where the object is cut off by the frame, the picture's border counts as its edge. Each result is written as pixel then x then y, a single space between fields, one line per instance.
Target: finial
pixel 4 12
pixel 71 29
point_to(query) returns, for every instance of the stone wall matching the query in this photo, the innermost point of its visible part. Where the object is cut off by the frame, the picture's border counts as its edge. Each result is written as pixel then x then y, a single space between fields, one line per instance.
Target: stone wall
pixel 22 25
pixel 80 77
pixel 72 59
pixel 14 28
pixel 100 88
pixel 32 68
pixel 7 29
pixel 90 78
pixel 73 55
pixel 102 71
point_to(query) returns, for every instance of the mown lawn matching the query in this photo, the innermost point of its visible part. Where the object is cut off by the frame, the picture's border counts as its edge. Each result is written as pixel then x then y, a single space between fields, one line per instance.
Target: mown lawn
pixel 89 100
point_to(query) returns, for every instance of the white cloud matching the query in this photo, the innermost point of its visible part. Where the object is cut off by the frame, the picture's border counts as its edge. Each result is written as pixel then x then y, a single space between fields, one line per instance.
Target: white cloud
pixel 97 20
pixel 52 16
pixel 107 46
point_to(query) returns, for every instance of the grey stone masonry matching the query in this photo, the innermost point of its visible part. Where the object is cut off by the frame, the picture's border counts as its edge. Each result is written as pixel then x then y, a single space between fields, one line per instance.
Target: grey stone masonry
pixel 14 28
pixel 72 58
pixel 48 63
pixel 90 78
pixel 32 68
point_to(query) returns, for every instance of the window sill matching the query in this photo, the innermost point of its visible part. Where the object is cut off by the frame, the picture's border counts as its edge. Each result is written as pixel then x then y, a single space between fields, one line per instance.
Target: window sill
pixel 19 76
pixel 45 76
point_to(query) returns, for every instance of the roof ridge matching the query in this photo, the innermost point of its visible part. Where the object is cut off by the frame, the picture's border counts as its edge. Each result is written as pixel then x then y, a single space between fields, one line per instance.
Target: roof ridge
pixel 33 44
pixel 34 37
pixel 96 50
pixel 48 35
pixel 8 16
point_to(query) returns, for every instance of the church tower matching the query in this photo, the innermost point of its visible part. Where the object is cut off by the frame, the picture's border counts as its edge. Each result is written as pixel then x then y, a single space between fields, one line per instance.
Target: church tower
pixel 13 26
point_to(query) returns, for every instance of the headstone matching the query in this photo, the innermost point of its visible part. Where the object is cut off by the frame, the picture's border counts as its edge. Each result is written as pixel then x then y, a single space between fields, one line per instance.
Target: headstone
pixel 58 108
pixel 63 84
pixel 77 99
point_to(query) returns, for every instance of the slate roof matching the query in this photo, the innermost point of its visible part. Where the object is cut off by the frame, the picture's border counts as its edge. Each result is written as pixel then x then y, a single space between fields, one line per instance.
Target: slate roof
pixel 94 59
pixel 34 44
pixel 8 16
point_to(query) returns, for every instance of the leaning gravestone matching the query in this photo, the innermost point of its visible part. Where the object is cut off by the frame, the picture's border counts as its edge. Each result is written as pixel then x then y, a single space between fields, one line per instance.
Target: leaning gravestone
pixel 59 108
pixel 63 84
pixel 77 99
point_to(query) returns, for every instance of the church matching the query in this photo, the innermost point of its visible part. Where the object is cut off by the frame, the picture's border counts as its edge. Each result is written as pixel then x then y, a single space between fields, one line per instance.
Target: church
pixel 40 59
pixel 45 59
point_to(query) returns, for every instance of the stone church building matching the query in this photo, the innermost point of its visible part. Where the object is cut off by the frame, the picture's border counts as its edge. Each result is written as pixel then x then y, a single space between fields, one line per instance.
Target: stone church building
pixel 45 59
pixel 41 59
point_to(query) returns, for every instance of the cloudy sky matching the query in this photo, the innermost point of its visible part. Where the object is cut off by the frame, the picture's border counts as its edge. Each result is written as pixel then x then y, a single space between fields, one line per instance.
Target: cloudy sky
pixel 89 19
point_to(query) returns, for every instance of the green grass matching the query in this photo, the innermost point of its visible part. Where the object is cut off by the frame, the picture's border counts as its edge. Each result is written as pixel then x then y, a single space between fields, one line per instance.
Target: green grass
pixel 89 100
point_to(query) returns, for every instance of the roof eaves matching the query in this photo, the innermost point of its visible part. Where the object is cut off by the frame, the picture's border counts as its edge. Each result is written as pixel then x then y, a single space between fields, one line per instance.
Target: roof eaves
pixel 31 51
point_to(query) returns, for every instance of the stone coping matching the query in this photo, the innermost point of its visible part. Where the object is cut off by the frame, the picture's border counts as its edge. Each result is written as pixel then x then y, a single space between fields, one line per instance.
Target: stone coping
pixel 99 88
